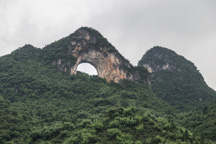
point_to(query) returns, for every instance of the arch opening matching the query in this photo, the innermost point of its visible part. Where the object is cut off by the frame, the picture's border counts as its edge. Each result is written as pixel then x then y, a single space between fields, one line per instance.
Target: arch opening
pixel 87 68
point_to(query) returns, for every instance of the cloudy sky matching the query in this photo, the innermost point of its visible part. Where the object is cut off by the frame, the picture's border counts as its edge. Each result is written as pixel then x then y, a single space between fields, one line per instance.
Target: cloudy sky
pixel 133 26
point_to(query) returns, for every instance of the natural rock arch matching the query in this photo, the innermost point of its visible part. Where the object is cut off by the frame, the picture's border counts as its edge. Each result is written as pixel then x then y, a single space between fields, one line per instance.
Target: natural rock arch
pixel 87 68
pixel 106 66
pixel 88 45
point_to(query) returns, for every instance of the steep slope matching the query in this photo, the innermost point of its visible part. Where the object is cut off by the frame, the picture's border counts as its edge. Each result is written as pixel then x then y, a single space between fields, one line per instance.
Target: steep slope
pixel 39 103
pixel 25 76
pixel 86 45
pixel 176 80
pixel 47 102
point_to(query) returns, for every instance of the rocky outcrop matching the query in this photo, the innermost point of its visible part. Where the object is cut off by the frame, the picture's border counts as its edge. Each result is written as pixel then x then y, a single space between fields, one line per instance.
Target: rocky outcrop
pixel 87 45
pixel 152 69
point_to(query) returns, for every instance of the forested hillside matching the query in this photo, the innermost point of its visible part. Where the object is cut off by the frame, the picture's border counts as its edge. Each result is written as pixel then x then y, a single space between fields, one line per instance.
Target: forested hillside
pixel 37 97
pixel 176 80
pixel 41 105
pixel 201 121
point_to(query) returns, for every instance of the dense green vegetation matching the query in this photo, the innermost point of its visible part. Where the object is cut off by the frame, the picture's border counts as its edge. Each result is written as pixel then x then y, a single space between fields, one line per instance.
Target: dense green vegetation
pixel 37 96
pixel 201 121
pixel 117 125
pixel 41 105
pixel 13 124
pixel 122 126
pixel 177 80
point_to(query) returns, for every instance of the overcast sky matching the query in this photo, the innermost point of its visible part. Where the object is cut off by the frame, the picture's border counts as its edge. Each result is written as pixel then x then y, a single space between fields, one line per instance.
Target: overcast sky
pixel 133 26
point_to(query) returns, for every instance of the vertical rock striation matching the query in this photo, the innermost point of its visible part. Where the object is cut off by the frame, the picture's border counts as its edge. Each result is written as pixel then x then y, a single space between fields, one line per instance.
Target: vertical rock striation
pixel 87 45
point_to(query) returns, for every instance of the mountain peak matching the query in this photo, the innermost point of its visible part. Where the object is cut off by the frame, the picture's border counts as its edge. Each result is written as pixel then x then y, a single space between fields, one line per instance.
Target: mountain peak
pixel 161 50
pixel 176 79
pixel 90 30
pixel 87 45
pixel 161 58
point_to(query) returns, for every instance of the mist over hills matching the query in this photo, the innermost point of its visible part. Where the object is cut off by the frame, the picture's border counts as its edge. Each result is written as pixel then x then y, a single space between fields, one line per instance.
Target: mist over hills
pixel 40 103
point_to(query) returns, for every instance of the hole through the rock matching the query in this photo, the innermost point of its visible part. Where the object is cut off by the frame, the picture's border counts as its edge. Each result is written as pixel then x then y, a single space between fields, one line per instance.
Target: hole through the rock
pixel 87 68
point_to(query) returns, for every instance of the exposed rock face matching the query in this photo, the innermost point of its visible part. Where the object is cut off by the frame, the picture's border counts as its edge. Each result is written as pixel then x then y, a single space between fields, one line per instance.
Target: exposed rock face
pixel 106 65
pixel 158 68
pixel 87 45
pixel 156 60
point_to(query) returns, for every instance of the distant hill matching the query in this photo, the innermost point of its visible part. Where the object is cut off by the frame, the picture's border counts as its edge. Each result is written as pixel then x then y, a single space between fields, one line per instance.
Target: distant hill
pixel 176 80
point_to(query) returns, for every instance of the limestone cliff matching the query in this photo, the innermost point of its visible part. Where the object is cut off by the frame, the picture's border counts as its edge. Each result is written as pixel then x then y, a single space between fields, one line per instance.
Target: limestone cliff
pixel 87 45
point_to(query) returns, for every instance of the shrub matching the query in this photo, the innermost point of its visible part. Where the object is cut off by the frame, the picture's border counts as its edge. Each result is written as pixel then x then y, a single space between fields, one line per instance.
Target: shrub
pixel 113 132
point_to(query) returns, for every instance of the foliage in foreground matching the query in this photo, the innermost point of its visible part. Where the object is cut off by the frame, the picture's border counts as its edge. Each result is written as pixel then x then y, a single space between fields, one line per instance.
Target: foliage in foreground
pixel 127 126
pixel 117 126
pixel 201 121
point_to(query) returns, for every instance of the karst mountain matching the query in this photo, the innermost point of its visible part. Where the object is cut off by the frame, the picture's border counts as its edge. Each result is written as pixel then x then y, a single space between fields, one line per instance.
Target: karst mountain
pixel 44 99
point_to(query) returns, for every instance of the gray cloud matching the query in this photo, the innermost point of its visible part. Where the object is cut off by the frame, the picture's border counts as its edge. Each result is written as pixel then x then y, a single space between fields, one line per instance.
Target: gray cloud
pixel 187 27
